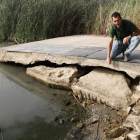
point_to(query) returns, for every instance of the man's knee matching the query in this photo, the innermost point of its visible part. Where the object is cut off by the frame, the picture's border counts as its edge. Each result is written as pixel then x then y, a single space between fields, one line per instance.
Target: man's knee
pixel 136 39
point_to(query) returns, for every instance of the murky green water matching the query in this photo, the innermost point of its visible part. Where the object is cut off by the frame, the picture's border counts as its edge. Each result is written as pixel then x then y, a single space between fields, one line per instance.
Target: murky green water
pixel 21 108
pixel 28 108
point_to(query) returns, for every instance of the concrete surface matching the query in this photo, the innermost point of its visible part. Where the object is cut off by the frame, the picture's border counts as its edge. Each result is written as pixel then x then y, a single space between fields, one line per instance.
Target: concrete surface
pixel 85 50
pixel 94 47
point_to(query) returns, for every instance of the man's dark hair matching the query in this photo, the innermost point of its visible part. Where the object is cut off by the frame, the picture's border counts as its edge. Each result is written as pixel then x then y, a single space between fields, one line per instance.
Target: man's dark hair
pixel 115 14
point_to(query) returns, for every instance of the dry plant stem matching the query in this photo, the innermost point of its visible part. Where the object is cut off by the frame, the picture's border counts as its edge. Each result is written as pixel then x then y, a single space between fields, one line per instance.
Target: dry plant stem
pixel 16 41
pixel 97 130
pixel 1 130
pixel 80 103
pixel 90 111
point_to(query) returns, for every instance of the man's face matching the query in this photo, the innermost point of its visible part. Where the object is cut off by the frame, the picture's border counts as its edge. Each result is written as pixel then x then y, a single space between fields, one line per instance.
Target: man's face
pixel 117 21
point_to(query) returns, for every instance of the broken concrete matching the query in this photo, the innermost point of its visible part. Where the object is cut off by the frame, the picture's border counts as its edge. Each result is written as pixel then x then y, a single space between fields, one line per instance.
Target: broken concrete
pixel 138 88
pixel 103 85
pixel 115 92
pixel 124 111
pixel 120 138
pixel 118 94
pixel 133 122
pixel 61 76
pixel 25 58
pixel 134 135
pixel 115 132
pixel 136 108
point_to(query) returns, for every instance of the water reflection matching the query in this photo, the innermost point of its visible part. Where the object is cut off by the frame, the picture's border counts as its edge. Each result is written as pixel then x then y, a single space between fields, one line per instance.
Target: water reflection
pixel 20 101
pixel 28 108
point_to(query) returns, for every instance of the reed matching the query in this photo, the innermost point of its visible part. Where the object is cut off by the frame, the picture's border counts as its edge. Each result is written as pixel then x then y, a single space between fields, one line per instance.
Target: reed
pixel 32 20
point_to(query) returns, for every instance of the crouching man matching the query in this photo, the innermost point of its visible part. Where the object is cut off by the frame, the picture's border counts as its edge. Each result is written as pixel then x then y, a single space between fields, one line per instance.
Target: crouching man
pixel 126 34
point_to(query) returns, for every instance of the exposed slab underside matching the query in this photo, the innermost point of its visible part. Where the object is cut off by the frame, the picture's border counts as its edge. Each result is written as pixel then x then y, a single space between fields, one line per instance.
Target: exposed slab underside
pixel 59 54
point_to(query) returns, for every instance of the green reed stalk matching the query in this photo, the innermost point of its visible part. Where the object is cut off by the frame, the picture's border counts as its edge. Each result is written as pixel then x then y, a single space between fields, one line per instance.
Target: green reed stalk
pixel 32 20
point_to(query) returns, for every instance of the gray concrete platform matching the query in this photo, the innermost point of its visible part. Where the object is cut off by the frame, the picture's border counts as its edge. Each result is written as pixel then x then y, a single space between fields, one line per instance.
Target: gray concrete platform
pixel 99 53
pixel 65 50
pixel 85 50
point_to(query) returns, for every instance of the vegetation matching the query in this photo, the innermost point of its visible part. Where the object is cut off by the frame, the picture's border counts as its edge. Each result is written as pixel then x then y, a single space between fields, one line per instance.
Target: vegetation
pixel 30 20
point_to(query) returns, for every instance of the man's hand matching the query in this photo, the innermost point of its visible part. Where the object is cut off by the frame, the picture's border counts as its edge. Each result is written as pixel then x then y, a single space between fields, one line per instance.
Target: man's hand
pixel 125 40
pixel 108 60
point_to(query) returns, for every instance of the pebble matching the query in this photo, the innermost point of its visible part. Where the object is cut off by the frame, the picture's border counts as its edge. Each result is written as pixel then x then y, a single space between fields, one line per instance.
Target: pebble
pixel 74 119
pixel 84 104
pixel 80 125
pixel 61 121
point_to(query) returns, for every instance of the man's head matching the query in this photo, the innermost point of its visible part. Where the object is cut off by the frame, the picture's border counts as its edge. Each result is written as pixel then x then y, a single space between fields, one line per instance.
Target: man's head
pixel 117 19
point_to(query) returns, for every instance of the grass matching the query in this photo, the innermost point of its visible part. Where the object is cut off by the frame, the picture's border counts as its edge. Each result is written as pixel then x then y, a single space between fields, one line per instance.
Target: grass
pixel 32 20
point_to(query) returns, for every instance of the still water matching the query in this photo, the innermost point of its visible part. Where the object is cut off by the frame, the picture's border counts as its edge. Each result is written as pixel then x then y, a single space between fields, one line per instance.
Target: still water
pixel 28 108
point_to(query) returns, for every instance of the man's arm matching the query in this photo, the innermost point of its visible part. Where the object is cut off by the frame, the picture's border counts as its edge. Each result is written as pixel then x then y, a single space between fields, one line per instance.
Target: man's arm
pixel 109 51
pixel 136 33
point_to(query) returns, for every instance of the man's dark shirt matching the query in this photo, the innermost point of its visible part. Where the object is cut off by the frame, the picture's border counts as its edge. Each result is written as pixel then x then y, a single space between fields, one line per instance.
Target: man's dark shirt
pixel 127 29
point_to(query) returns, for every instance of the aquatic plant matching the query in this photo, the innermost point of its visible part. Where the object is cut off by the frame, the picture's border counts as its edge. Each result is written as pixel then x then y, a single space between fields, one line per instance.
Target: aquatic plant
pixel 30 20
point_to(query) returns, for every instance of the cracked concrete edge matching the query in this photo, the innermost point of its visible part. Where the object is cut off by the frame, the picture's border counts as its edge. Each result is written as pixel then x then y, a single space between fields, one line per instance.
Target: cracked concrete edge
pixel 132 69
pixel 42 73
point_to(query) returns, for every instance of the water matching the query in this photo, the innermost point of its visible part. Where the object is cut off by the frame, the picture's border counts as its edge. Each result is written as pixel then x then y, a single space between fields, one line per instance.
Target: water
pixel 5 44
pixel 28 108
pixel 19 105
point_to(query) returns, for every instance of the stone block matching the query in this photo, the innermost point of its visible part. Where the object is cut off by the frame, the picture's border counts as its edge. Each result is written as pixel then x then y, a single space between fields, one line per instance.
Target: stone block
pixel 104 85
pixel 61 76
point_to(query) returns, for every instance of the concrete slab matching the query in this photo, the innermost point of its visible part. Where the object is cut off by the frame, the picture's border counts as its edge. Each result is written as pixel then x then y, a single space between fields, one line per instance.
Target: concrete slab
pixel 84 50
pixel 66 50
pixel 101 55
pixel 134 58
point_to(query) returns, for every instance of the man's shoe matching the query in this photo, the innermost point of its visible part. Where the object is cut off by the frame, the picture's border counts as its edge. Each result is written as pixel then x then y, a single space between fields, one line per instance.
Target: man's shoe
pixel 126 57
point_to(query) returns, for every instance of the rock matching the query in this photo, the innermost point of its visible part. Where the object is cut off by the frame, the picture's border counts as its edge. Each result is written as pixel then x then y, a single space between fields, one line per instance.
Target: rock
pixel 134 113
pixel 74 81
pixel 120 138
pixel 134 135
pixel 70 93
pixel 66 102
pixel 136 108
pixel 108 122
pixel 84 104
pixel 114 121
pixel 90 102
pixel 70 137
pixel 73 134
pixel 138 88
pixel 133 122
pixel 61 121
pixel 124 111
pixel 61 76
pixel 107 86
pixel 91 120
pixel 74 130
pixel 80 125
pixel 74 119
pixel 114 133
